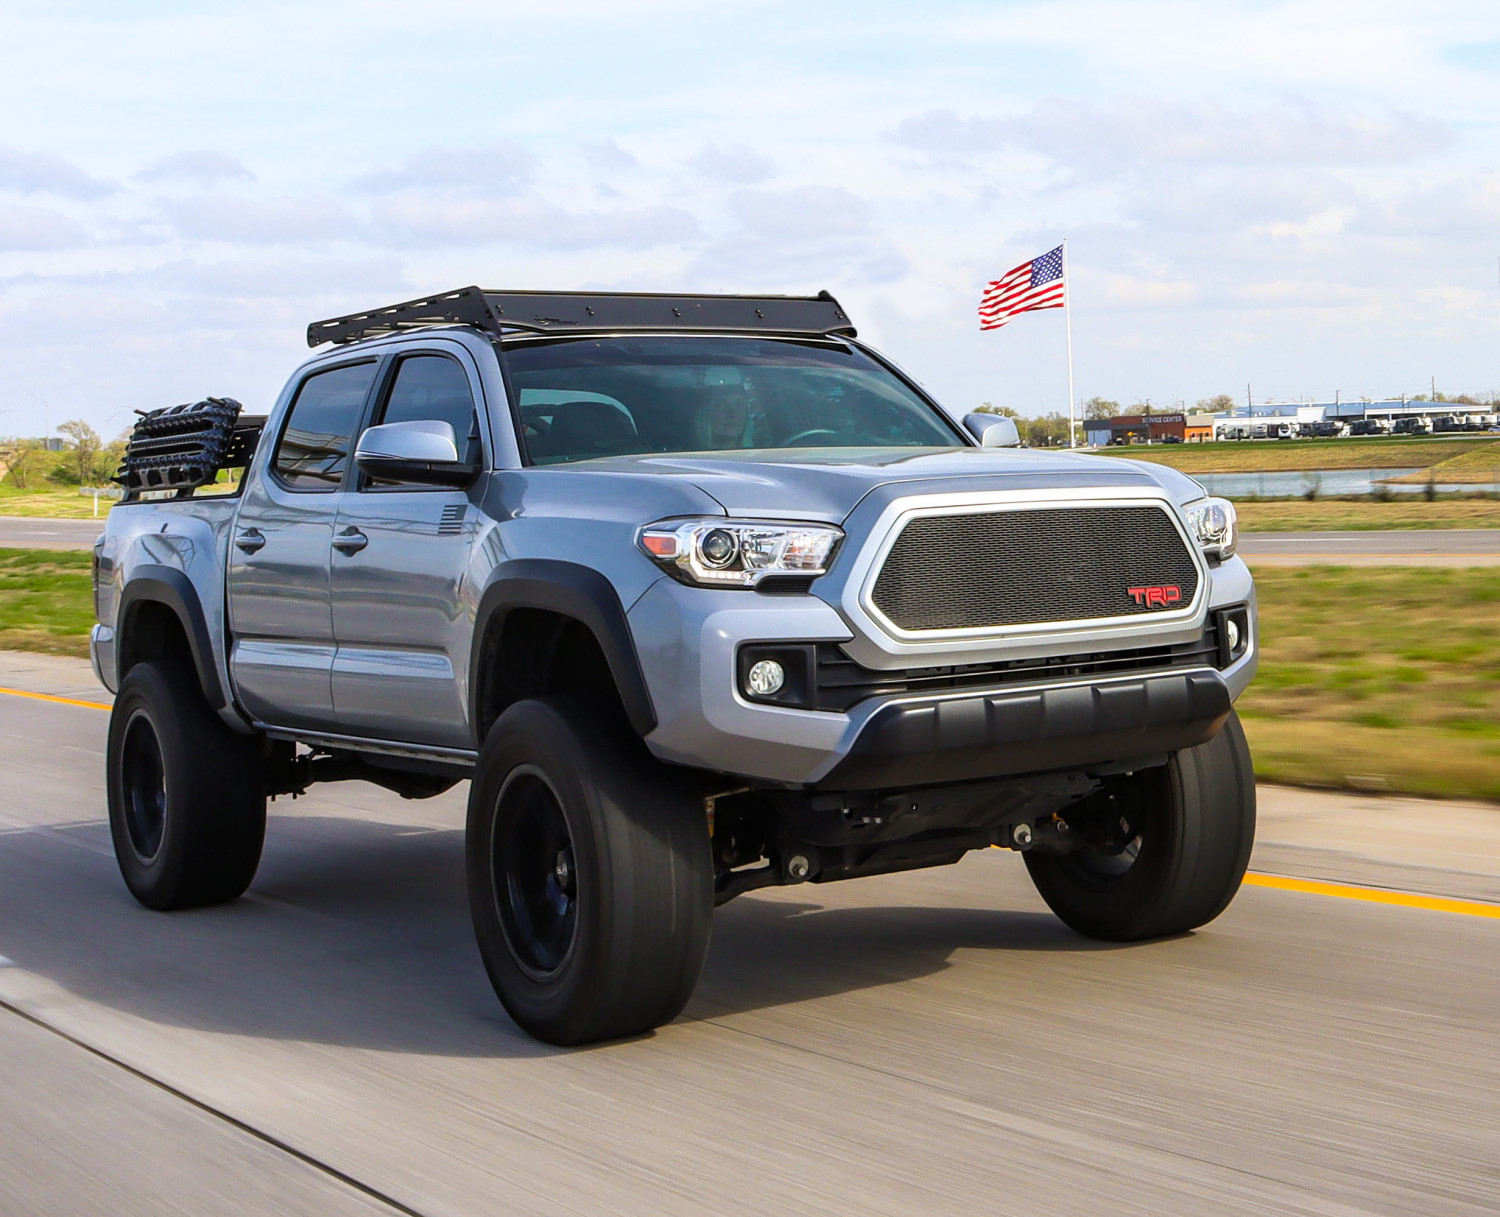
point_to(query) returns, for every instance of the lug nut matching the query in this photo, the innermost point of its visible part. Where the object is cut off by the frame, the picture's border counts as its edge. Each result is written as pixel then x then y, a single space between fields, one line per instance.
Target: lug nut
pixel 1021 835
pixel 798 867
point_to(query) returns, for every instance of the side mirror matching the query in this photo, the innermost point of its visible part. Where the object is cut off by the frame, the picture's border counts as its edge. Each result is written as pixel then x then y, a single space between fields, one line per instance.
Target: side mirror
pixel 425 451
pixel 993 430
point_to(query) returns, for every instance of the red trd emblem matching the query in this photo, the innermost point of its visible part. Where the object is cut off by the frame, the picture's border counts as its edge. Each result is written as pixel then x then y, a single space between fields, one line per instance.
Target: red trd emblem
pixel 1156 597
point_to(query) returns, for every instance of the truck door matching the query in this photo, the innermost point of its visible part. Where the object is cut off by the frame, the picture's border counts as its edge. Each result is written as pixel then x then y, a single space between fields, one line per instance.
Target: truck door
pixel 401 611
pixel 280 608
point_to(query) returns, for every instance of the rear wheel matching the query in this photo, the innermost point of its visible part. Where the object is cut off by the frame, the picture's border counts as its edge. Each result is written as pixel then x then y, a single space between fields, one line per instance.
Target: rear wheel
pixel 1186 829
pixel 187 807
pixel 590 875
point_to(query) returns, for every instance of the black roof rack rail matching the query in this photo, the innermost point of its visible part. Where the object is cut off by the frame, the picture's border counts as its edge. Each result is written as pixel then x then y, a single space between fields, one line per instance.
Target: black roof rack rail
pixel 590 312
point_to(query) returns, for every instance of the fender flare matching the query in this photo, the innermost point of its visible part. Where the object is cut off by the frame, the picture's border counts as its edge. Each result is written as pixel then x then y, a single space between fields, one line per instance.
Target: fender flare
pixel 573 591
pixel 155 584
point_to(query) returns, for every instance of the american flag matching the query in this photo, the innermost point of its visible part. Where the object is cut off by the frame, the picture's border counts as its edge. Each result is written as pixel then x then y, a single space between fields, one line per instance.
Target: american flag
pixel 1032 285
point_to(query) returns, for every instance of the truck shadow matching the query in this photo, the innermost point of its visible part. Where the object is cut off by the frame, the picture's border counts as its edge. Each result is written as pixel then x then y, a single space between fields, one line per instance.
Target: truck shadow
pixel 356 933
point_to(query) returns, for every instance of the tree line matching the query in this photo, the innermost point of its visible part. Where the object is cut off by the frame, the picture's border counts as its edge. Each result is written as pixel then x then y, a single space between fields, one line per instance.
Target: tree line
pixel 89 461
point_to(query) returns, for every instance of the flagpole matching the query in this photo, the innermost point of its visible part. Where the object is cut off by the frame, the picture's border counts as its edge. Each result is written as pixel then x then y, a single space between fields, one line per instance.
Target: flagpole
pixel 1068 321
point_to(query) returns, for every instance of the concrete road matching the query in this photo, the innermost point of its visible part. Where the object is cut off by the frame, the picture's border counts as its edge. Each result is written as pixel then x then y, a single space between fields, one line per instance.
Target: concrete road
pixel 24 532
pixel 932 1043
pixel 1413 547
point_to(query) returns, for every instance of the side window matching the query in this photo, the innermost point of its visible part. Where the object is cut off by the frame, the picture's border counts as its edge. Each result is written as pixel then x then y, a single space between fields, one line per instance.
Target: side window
pixel 432 387
pixel 314 448
pixel 427 388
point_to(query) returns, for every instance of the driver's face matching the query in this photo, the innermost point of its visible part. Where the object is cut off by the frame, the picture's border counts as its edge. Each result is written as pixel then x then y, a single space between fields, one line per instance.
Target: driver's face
pixel 727 417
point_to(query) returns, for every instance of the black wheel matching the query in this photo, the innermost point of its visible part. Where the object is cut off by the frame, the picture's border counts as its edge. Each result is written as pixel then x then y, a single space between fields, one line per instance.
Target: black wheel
pixel 590 876
pixel 187 808
pixel 1186 827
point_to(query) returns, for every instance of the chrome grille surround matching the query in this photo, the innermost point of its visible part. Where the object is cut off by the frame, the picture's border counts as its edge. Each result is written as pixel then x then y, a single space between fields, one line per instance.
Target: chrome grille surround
pixel 886 645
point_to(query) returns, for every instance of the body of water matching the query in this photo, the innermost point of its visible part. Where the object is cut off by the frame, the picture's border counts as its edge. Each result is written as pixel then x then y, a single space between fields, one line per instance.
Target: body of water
pixel 1285 484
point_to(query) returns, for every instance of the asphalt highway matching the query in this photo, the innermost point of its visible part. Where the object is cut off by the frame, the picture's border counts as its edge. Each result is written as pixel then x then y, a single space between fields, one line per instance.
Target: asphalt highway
pixel 1412 547
pixel 932 1043
pixel 27 532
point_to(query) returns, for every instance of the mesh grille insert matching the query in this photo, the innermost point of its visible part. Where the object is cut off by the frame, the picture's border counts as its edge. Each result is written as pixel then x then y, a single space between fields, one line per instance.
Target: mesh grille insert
pixel 1033 566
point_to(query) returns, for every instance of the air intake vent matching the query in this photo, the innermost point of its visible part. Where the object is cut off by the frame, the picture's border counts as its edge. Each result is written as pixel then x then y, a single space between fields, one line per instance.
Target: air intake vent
pixel 452 522
pixel 1035 566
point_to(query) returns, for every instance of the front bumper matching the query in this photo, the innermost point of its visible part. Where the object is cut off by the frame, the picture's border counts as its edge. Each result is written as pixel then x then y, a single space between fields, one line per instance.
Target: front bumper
pixel 955 739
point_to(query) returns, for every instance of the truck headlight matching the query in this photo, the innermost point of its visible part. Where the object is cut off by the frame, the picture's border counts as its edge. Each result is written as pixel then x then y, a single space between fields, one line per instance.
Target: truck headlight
pixel 1215 525
pixel 739 553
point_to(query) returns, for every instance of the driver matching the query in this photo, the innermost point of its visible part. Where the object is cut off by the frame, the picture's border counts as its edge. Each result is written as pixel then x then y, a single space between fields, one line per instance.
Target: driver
pixel 723 421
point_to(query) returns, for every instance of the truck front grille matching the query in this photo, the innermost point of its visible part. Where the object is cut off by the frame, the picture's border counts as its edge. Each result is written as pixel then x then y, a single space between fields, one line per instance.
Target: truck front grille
pixel 1034 566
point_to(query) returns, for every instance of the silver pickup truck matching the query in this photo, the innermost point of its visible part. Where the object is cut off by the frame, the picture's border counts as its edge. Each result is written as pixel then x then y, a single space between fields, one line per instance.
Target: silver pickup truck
pixel 701 595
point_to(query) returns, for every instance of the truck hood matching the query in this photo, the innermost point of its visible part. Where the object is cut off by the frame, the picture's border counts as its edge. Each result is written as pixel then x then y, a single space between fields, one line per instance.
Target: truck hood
pixel 827 483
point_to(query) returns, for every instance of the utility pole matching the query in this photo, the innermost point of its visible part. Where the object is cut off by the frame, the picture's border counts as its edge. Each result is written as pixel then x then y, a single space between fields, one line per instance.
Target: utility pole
pixel 1434 390
pixel 1249 405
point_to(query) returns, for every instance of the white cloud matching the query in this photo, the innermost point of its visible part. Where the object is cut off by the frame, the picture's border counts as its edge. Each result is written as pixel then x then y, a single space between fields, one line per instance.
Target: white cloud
pixel 47 173
pixel 36 229
pixel 261 221
pixel 608 157
pixel 500 168
pixel 1151 130
pixel 735 164
pixel 413 219
pixel 201 166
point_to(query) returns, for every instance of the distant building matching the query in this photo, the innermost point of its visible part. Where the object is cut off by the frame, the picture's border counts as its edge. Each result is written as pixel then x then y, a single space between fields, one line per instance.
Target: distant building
pixel 1137 429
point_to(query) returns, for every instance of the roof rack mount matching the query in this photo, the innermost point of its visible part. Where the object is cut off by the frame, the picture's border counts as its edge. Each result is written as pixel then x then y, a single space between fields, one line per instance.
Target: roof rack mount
pixel 496 312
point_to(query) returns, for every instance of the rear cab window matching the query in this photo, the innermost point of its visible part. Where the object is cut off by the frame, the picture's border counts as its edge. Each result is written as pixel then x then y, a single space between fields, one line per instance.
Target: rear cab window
pixel 313 451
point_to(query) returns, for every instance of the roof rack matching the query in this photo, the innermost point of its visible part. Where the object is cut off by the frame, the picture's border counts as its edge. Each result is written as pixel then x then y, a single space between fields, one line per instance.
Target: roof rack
pixel 588 312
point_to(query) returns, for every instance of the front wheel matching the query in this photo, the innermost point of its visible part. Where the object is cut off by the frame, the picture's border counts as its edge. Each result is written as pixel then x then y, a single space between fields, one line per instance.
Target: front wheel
pixel 1186 830
pixel 590 875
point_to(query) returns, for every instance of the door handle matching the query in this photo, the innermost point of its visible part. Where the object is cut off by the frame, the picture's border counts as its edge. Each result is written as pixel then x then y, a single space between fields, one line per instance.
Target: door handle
pixel 350 541
pixel 250 540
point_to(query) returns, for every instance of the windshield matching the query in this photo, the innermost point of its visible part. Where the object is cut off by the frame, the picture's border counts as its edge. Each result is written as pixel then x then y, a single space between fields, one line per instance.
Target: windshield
pixel 589 397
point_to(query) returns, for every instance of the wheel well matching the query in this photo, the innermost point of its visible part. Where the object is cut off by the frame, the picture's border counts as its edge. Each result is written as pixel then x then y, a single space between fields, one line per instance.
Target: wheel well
pixel 153 631
pixel 536 653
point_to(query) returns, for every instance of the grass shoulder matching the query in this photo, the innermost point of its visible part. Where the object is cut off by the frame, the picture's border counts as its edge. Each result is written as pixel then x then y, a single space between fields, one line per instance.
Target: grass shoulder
pixel 1384 678
pixel 1366 514
pixel 1266 456
pixel 46 601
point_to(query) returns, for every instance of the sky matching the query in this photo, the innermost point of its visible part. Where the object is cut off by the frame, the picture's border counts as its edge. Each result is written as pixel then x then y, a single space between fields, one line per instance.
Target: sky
pixel 1299 197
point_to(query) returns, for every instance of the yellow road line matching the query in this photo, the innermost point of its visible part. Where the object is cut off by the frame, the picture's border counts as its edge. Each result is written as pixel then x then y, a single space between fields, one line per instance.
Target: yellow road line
pixel 67 701
pixel 1345 891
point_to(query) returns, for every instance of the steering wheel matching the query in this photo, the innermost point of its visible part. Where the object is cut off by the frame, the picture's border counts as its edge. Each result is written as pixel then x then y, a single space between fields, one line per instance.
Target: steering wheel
pixel 791 440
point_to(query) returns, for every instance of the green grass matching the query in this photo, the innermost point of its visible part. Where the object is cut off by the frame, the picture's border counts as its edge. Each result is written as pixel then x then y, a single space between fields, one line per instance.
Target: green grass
pixel 60 505
pixel 1365 514
pixel 46 601
pixel 1380 678
pixel 1478 464
pixel 1257 456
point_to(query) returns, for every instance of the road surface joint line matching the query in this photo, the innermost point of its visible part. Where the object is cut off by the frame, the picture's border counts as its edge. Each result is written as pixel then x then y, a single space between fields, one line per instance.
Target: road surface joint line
pixel 249 1129
pixel 1374 895
pixel 66 701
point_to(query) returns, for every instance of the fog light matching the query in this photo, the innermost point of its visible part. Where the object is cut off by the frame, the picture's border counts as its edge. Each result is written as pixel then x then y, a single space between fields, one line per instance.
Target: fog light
pixel 1232 629
pixel 765 678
